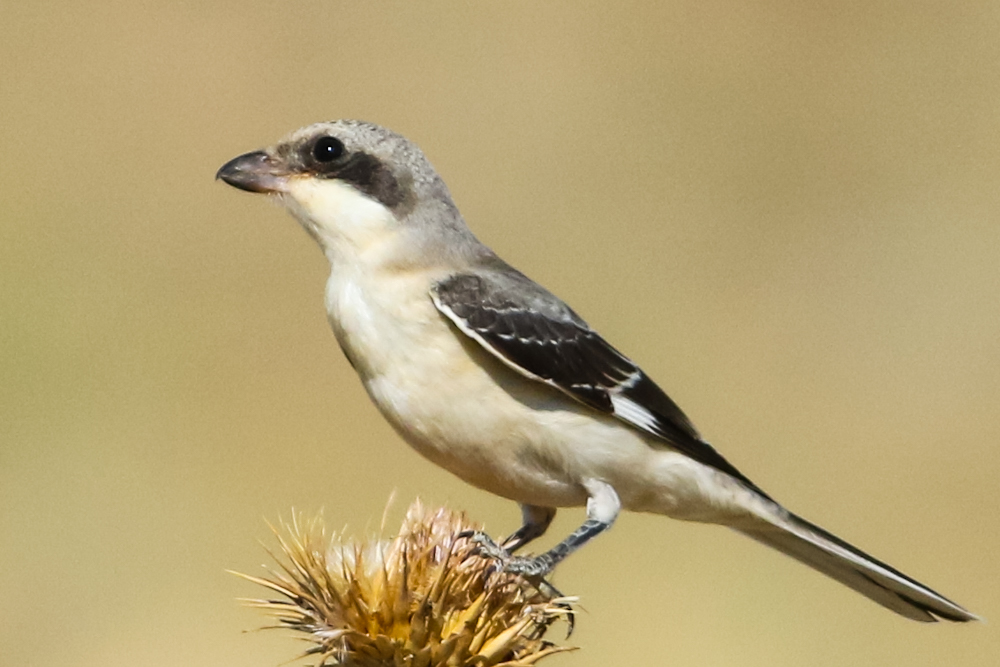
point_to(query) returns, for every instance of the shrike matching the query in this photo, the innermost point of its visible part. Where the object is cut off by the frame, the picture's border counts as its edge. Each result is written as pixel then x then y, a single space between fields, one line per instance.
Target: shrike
pixel 492 377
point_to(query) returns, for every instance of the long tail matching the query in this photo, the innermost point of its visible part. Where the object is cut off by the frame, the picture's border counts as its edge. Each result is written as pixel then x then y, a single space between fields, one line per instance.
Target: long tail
pixel 820 550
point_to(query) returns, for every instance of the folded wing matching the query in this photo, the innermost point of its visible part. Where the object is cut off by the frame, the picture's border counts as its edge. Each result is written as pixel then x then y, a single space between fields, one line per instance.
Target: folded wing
pixel 533 332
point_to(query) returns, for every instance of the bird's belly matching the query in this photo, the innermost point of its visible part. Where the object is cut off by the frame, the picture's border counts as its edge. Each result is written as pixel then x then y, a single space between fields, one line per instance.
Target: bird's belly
pixel 453 412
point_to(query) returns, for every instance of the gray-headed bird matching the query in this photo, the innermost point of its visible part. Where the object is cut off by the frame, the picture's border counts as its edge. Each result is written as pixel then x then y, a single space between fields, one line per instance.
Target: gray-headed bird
pixel 492 377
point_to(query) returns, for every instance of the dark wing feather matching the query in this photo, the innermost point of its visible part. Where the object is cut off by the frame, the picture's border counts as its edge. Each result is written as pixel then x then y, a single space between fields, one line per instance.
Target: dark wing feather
pixel 536 334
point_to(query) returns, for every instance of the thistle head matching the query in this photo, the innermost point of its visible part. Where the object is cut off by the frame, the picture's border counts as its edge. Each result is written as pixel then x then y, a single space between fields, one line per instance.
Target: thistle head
pixel 422 598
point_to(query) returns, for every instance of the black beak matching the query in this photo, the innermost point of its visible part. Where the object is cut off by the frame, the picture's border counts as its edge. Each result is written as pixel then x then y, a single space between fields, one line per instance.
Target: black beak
pixel 253 172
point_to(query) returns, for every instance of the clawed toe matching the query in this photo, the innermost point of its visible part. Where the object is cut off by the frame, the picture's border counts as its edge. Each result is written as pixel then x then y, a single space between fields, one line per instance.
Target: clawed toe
pixel 533 568
pixel 486 546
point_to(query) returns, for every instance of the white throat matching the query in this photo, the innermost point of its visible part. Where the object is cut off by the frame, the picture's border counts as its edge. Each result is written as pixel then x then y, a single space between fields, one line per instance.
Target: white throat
pixel 347 223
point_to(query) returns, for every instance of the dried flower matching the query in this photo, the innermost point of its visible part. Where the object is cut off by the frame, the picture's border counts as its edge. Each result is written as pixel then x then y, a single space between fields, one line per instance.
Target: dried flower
pixel 423 599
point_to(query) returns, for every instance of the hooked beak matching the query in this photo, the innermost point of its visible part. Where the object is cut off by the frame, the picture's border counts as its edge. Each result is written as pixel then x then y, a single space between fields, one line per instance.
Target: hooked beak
pixel 254 172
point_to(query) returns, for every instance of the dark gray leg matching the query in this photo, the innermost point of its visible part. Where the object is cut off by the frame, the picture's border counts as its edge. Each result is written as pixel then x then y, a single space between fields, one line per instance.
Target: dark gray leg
pixel 602 510
pixel 542 564
pixel 535 521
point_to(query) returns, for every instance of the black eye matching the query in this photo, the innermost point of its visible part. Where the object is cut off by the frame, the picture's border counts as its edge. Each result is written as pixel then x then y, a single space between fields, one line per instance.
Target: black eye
pixel 327 149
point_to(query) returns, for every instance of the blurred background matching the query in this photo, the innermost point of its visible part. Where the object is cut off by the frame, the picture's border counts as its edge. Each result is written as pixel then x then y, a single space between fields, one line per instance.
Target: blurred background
pixel 788 213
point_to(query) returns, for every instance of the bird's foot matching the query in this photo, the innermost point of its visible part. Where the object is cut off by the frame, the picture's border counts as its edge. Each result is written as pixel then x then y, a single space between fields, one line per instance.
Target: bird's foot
pixel 530 567
pixel 534 569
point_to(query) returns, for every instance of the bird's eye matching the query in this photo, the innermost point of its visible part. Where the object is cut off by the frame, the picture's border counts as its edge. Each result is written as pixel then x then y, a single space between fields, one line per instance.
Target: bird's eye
pixel 327 149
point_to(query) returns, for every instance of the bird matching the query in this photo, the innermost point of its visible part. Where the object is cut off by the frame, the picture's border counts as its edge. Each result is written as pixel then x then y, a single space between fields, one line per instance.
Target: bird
pixel 490 376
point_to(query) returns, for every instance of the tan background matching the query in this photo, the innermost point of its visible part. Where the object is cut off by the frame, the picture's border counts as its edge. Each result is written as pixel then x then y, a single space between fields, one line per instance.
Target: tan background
pixel 789 215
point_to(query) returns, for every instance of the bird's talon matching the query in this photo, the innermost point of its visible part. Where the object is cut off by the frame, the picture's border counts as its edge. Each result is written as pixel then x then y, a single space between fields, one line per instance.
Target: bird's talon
pixel 486 546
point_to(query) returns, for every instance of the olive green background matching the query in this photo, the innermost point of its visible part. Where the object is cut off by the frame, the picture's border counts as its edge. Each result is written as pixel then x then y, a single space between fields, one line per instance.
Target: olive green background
pixel 788 213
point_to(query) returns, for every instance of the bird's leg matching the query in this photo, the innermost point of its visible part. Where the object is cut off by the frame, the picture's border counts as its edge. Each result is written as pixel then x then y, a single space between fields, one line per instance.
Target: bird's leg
pixel 602 510
pixel 535 521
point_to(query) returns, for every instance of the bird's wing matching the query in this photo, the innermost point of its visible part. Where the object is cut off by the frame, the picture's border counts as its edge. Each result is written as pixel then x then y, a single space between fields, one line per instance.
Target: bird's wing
pixel 536 334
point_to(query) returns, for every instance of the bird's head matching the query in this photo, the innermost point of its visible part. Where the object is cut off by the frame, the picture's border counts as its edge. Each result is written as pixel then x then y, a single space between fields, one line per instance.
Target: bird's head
pixel 350 184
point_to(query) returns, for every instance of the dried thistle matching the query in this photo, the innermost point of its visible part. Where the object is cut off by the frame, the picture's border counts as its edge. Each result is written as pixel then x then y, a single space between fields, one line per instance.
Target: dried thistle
pixel 423 599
